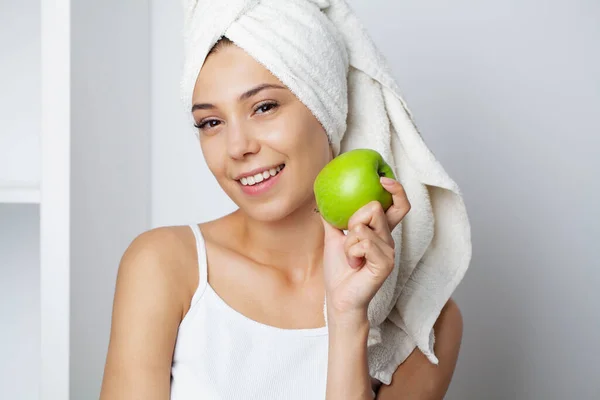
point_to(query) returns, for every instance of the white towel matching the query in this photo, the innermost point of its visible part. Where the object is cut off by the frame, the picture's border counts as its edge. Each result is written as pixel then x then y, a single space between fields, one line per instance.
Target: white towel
pixel 319 49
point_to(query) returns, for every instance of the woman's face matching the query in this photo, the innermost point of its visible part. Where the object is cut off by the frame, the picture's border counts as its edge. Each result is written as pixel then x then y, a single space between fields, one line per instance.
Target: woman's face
pixel 250 126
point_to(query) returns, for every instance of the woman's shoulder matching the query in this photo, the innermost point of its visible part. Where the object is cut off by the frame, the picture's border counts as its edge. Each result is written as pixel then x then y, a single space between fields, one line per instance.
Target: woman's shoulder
pixel 172 251
pixel 162 244
pixel 164 256
pixel 151 297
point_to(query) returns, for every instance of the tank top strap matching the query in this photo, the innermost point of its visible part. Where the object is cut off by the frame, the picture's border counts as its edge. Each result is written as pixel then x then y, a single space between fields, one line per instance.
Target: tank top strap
pixel 202 263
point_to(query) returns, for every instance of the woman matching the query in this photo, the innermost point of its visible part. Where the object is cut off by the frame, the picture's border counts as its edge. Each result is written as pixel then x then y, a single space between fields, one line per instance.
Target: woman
pixel 220 310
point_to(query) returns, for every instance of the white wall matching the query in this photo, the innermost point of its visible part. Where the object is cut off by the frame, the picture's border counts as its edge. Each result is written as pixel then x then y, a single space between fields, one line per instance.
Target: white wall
pixel 183 189
pixel 507 96
pixel 110 159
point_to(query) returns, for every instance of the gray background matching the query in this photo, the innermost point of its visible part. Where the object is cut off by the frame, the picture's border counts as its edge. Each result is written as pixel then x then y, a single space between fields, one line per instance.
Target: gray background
pixel 110 154
pixel 507 95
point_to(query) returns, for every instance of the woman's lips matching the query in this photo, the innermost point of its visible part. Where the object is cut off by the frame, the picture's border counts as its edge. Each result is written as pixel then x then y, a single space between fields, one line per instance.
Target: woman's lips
pixel 261 187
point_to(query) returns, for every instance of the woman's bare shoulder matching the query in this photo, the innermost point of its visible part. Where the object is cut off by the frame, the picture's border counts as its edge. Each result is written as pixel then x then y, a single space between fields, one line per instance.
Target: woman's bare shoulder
pixel 150 301
pixel 163 245
pixel 172 251
pixel 165 254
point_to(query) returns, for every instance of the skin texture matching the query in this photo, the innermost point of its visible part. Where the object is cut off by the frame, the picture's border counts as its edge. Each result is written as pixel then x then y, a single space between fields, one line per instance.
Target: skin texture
pixel 274 250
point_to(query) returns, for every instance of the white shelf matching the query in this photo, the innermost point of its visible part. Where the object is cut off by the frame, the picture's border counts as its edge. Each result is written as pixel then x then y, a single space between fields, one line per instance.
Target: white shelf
pixel 20 104
pixel 20 193
pixel 19 301
pixel 67 213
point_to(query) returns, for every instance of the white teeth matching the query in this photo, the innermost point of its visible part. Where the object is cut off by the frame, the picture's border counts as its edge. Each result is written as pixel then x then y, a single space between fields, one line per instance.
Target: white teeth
pixel 252 180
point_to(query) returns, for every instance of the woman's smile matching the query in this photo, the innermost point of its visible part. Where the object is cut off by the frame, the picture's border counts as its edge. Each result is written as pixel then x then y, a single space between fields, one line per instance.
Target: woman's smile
pixel 261 182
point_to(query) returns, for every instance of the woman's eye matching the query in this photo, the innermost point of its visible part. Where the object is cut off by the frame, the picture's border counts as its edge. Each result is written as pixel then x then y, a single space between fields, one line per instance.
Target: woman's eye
pixel 265 107
pixel 210 123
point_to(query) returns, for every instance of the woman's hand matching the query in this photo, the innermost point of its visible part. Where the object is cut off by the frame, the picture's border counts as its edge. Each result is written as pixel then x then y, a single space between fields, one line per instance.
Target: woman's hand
pixel 357 264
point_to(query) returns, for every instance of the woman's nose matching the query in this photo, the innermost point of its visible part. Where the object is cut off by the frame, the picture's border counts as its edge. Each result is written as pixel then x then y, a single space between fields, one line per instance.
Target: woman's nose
pixel 241 141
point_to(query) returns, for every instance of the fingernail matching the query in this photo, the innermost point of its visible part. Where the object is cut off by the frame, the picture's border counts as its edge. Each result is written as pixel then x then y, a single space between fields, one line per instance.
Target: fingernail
pixel 386 181
pixel 355 262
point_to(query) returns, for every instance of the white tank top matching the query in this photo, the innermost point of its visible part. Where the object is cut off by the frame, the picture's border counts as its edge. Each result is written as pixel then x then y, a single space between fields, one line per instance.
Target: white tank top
pixel 220 354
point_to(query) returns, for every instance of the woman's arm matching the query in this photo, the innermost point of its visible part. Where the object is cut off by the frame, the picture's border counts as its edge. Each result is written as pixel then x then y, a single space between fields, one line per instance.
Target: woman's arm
pixel 347 371
pixel 146 314
pixel 416 378
pixel 355 266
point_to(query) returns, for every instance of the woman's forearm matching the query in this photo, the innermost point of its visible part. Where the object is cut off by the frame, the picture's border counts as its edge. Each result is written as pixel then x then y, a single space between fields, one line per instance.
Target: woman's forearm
pixel 348 372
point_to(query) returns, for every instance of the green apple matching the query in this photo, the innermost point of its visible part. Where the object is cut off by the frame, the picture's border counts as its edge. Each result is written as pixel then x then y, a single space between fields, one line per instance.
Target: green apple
pixel 350 181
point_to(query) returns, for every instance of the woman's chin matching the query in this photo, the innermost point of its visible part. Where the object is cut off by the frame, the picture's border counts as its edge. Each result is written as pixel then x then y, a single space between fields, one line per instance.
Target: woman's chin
pixel 278 207
pixel 267 213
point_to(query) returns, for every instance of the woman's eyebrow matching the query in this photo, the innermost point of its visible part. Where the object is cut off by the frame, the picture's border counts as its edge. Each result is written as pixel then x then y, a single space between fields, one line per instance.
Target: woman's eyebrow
pixel 244 96
pixel 256 90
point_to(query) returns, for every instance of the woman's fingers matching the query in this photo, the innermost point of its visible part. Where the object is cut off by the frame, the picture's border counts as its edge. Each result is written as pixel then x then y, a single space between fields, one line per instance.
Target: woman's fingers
pixel 372 216
pixel 365 237
pixel 378 256
pixel 371 226
pixel 353 261
pixel 400 206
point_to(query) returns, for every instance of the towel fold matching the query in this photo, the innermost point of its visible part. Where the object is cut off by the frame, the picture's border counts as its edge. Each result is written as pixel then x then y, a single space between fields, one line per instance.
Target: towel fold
pixel 322 53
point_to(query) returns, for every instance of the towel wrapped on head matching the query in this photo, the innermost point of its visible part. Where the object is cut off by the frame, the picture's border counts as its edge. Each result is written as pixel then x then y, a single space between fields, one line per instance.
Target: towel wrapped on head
pixel 322 53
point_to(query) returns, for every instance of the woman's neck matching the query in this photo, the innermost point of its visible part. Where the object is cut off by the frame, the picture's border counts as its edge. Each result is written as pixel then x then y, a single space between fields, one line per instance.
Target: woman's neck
pixel 293 245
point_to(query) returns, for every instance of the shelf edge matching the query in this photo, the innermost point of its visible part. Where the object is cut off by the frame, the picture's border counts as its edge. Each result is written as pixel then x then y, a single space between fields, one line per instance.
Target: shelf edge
pixel 19 193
